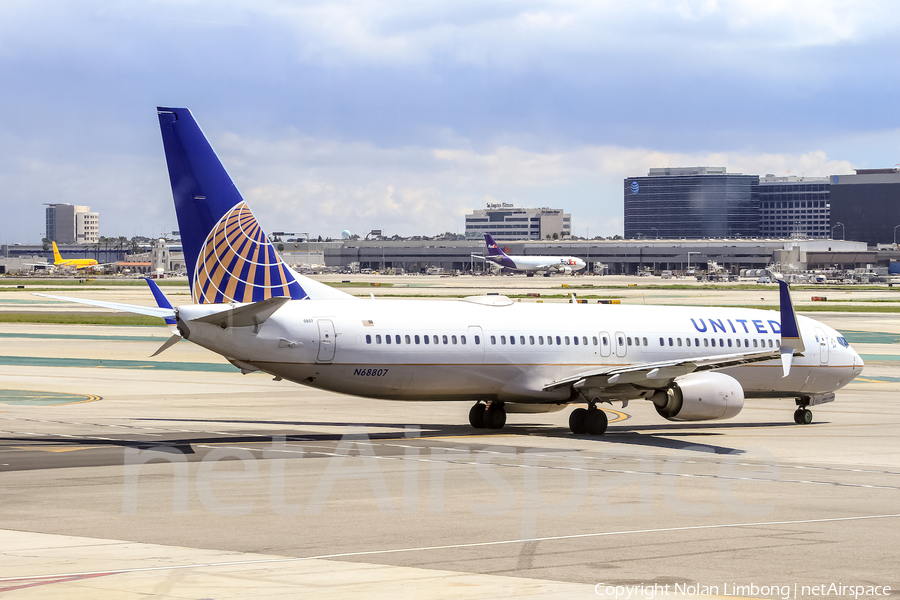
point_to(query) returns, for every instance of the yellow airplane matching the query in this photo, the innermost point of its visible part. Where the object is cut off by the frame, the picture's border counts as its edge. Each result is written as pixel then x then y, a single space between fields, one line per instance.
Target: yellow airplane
pixel 78 263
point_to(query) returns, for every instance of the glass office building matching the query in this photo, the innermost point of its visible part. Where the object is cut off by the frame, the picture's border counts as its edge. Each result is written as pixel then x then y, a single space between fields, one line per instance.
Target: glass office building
pixel 797 207
pixel 692 202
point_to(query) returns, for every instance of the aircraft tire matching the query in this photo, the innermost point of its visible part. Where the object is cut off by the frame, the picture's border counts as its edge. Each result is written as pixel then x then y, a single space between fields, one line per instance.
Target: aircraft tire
pixel 476 415
pixel 576 421
pixel 495 417
pixel 798 416
pixel 807 416
pixel 595 421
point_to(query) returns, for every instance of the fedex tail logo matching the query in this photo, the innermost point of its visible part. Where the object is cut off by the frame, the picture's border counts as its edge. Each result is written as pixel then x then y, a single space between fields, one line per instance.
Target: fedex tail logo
pixel 237 263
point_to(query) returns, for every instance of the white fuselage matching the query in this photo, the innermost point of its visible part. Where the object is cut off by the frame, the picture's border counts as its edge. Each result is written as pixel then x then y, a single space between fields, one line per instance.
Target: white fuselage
pixel 542 263
pixel 491 348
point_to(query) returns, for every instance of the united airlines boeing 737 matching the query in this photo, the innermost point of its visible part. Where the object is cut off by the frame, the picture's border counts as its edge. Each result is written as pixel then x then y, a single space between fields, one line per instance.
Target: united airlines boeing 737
pixel 689 364
pixel 531 264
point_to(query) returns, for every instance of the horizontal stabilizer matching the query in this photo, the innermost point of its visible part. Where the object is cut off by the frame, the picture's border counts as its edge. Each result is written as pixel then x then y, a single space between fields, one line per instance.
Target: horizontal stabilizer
pixel 169 343
pixel 246 316
pixel 150 311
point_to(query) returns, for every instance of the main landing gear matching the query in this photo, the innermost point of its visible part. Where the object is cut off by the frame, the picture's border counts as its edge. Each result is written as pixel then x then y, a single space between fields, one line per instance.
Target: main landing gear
pixel 590 420
pixel 803 416
pixel 492 417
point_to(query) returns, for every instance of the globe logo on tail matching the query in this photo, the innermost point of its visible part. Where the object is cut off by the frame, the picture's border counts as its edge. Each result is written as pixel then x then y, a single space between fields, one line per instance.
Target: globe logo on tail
pixel 237 263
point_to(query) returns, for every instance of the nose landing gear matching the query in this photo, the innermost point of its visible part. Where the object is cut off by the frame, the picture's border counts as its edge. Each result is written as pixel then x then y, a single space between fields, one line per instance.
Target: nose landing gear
pixel 803 416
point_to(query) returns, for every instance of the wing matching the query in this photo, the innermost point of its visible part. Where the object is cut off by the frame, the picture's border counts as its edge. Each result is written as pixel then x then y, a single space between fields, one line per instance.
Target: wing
pixel 150 311
pixel 657 375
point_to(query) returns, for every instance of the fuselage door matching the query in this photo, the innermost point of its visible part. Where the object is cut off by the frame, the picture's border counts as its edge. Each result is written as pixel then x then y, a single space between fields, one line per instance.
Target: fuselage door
pixel 621 348
pixel 326 340
pixel 822 339
pixel 605 343
pixel 476 337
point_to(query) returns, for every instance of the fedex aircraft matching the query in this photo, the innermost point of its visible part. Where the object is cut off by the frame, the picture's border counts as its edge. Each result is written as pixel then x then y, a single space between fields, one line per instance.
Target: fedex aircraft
pixel 687 363
pixel 531 264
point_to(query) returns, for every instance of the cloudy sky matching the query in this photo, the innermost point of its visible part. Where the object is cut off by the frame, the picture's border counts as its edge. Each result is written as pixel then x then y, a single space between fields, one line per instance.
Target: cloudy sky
pixel 404 116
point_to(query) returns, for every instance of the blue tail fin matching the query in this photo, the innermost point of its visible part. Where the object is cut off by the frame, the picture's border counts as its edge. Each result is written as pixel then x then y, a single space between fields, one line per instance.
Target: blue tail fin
pixel 228 257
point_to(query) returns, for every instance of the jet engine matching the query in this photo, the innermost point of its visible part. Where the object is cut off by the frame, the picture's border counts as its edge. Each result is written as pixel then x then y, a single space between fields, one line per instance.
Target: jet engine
pixel 567 270
pixel 700 397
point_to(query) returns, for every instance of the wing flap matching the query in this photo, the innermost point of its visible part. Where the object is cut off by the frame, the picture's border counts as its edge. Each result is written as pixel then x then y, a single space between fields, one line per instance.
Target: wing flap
pixel 658 374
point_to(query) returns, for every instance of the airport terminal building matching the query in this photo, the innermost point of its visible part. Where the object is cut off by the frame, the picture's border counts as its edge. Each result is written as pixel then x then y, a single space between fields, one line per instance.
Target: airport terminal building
pixel 795 207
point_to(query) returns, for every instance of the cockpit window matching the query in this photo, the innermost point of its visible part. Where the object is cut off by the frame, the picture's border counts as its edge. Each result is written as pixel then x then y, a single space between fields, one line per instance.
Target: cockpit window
pixel 843 342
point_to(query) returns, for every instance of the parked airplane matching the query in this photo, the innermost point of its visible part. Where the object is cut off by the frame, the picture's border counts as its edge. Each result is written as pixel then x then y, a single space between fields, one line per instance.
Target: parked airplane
pixel 690 363
pixel 77 263
pixel 531 264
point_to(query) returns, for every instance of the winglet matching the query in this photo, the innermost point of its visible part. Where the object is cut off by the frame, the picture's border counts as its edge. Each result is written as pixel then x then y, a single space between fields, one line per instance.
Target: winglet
pixel 791 340
pixel 162 302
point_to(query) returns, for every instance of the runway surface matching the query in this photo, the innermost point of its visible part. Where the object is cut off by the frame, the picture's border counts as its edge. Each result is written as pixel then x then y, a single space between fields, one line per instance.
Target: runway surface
pixel 174 477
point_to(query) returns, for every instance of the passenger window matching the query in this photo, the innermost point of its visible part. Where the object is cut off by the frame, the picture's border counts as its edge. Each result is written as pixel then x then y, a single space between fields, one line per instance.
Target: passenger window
pixel 671 343
pixel 493 340
pixel 697 342
pixel 754 343
pixel 531 340
pixel 540 340
pixel 417 339
pixel 688 342
pixel 453 339
pixel 397 338
pixel 512 340
pixel 770 343
pixel 567 340
pixel 462 340
pixel 746 343
pixel 713 340
pixel 628 340
pixel 387 339
pixel 549 340
pixel 645 341
pixel 408 341
pixel 522 339
pixel 435 339
pixel 594 339
pixel 604 340
pixel 575 339
pixel 679 342
pixel 503 339
pixel 737 343
pixel 705 343
pixel 378 339
pixel 721 343
pixel 425 338
pixel 368 338
pixel 621 341
pixel 477 340
pixel 729 342
pixel 445 339
pixel 662 342
pixel 584 340
pixel 557 341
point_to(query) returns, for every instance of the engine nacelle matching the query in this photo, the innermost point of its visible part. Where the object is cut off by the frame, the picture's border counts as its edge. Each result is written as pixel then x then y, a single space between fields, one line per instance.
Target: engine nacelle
pixel 700 397
pixel 567 270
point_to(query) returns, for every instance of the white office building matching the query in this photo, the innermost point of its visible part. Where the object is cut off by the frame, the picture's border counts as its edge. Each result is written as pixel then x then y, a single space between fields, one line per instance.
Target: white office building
pixel 507 223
